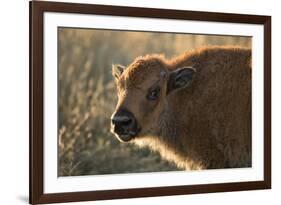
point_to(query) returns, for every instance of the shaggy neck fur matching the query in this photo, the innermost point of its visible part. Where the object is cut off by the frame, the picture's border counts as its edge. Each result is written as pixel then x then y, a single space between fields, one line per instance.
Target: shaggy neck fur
pixel 168 143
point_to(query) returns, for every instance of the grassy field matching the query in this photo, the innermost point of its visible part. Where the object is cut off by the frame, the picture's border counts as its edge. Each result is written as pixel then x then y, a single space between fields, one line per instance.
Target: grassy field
pixel 87 96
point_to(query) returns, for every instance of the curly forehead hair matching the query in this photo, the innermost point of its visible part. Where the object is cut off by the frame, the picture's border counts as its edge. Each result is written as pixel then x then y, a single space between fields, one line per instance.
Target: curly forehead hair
pixel 144 66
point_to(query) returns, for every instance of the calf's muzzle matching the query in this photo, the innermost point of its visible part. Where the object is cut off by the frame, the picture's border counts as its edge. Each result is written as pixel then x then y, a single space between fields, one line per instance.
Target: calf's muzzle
pixel 124 125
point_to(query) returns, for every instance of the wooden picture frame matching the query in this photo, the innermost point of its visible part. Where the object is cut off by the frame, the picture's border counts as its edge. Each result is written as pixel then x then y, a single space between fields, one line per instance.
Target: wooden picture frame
pixel 36 106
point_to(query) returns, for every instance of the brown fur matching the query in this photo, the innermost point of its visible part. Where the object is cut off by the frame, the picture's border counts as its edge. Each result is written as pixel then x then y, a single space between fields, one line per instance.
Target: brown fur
pixel 207 124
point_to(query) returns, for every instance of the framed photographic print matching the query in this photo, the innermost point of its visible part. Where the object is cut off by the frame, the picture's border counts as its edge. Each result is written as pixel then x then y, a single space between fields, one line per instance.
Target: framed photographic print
pixel 138 102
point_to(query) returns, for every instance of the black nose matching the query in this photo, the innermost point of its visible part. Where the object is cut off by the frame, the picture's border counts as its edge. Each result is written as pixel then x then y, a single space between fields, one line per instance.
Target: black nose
pixel 124 123
pixel 121 121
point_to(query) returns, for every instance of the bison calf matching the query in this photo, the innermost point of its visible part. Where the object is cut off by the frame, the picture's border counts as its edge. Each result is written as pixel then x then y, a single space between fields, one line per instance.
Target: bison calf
pixel 194 109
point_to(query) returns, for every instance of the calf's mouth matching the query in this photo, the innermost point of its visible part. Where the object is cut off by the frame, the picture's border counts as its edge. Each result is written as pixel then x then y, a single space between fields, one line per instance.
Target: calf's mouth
pixel 127 135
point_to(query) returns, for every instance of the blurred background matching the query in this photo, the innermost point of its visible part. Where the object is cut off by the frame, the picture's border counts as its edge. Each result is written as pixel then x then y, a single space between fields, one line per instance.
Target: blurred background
pixel 87 96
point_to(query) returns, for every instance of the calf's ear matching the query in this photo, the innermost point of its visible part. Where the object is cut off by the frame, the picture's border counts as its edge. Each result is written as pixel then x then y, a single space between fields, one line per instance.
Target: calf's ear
pixel 180 78
pixel 117 70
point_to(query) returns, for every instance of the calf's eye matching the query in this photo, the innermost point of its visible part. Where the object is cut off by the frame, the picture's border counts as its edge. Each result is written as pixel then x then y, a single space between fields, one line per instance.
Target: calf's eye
pixel 153 94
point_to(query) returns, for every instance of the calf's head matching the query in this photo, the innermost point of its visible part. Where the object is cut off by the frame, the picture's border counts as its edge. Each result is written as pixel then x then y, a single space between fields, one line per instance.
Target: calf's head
pixel 143 88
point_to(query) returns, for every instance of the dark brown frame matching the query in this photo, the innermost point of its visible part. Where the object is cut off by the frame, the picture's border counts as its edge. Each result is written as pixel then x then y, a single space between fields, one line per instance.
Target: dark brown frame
pixel 37 8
